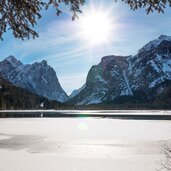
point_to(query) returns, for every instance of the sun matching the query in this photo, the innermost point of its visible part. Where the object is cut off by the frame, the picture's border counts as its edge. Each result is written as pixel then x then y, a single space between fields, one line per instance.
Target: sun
pixel 96 27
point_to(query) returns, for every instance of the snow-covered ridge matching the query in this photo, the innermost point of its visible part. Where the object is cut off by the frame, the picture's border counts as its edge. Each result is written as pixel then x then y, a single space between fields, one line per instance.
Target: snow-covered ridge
pixel 11 59
pixel 14 62
pixel 155 43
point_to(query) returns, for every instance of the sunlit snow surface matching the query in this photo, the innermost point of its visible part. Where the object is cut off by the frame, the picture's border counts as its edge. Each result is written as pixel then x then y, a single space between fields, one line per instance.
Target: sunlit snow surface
pixel 82 144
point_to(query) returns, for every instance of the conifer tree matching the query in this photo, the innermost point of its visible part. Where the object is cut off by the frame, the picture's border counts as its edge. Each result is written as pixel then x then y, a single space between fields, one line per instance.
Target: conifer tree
pixel 21 16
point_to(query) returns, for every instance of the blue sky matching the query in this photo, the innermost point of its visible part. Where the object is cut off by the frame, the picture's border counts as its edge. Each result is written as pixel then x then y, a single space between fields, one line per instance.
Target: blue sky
pixel 70 55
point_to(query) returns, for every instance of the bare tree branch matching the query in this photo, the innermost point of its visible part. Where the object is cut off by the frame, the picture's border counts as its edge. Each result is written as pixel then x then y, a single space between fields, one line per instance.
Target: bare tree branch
pixel 166 162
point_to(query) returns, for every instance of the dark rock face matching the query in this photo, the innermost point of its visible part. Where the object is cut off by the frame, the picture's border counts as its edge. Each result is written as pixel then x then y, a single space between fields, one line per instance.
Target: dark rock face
pixel 105 81
pixel 117 76
pixel 39 78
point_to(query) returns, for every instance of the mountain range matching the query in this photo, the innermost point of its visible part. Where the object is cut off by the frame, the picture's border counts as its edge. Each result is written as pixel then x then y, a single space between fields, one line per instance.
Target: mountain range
pixel 145 75
pixel 39 78
pixel 117 76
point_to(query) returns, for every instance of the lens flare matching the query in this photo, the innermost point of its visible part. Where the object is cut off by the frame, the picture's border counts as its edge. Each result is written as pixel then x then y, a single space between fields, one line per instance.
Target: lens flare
pixel 82 126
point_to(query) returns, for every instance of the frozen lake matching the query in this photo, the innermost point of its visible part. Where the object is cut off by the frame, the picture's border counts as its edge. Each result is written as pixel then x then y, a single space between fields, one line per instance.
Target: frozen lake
pixel 82 144
pixel 112 114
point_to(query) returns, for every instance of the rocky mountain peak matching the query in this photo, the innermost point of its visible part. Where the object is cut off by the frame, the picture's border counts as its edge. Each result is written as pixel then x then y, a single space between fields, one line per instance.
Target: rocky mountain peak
pixel 38 77
pixel 164 37
pixel 112 58
pixel 11 58
pixel 114 61
pixel 44 63
pixel 155 43
pixel 13 61
pixel 107 59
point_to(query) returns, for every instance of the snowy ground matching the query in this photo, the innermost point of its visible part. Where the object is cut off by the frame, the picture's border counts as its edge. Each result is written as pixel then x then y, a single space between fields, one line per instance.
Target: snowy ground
pixel 75 144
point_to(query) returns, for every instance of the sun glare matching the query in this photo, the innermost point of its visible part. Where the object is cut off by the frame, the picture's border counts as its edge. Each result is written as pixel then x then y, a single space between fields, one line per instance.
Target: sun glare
pixel 96 27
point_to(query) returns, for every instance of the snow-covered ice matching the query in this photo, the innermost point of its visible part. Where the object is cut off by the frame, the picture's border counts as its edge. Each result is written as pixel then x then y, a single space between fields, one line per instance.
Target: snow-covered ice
pixel 71 144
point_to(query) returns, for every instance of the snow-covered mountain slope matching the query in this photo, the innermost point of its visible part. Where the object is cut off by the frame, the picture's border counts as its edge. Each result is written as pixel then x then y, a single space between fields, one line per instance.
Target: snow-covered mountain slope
pixel 117 76
pixel 37 77
pixel 105 81
pixel 153 44
pixel 77 91
pixel 13 98
pixel 152 67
